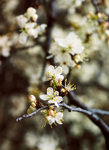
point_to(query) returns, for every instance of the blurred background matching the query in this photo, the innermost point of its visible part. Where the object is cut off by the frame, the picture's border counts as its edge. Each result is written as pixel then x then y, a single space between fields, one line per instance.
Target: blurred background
pixel 20 76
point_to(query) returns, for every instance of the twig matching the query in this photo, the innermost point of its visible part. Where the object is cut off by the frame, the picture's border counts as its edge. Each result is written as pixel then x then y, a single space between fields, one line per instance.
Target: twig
pixel 32 114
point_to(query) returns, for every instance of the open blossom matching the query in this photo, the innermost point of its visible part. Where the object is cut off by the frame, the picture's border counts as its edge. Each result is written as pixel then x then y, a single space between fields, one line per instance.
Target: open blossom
pixel 65 61
pixel 52 96
pixel 71 44
pixel 69 86
pixel 57 117
pixel 64 48
pixel 28 25
pixel 53 73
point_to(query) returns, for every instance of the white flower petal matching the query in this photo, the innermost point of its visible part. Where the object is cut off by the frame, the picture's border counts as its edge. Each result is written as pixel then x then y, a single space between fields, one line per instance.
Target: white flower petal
pixel 44 97
pixel 58 70
pixel 59 117
pixel 31 32
pixel 51 121
pixel 5 51
pixel 65 69
pixel 21 20
pixel 61 42
pixel 58 99
pixel 23 37
pixel 61 77
pixel 51 101
pixel 30 25
pixel 50 68
pixel 49 91
pixel 56 104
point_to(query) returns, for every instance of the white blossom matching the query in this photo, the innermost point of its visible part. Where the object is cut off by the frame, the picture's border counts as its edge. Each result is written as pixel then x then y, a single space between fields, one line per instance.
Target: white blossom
pixel 21 20
pixel 65 61
pixel 23 37
pixel 51 96
pixel 28 25
pixel 5 45
pixel 53 73
pixel 31 13
pixel 71 5
pixel 71 44
pixel 47 142
pixel 63 48
pixel 69 86
pixel 57 118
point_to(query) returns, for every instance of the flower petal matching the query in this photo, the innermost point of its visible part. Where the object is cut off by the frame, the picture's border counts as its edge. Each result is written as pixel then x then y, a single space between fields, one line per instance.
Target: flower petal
pixel 58 98
pixel 44 97
pixel 23 37
pixel 59 117
pixel 58 70
pixel 49 91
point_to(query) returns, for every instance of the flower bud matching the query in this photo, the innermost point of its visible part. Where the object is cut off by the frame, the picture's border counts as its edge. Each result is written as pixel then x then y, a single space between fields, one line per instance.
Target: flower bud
pixel 77 58
pixel 51 113
pixel 32 109
pixel 30 12
pixel 29 111
pixel 78 66
pixel 51 107
pixel 34 17
pixel 33 104
pixel 32 98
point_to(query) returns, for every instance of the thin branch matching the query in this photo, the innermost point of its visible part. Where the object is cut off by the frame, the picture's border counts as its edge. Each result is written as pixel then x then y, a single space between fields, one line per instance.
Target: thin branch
pixel 74 100
pixel 32 114
pixel 91 115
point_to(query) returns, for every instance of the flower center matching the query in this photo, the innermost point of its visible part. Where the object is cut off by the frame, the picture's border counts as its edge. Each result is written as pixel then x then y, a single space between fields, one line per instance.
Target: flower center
pixel 64 63
pixel 63 50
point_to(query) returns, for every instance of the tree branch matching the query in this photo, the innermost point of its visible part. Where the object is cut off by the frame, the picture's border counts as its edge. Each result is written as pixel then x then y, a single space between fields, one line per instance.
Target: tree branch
pixel 75 101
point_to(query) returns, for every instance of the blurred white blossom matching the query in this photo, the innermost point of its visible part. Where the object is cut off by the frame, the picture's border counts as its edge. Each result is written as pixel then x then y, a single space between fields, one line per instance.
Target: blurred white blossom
pixel 63 48
pixel 28 25
pixel 5 45
pixel 71 5
pixel 47 143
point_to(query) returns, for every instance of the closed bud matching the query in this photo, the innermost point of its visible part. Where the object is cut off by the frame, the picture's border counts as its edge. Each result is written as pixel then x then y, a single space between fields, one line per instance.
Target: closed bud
pixel 30 12
pixel 32 109
pixel 51 113
pixel 77 58
pixel 78 66
pixel 51 107
pixel 33 104
pixel 32 98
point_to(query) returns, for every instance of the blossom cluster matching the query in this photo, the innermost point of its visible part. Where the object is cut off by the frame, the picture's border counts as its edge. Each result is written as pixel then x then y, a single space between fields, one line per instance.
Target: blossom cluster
pixel 52 116
pixel 28 25
pixel 54 96
pixel 67 51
